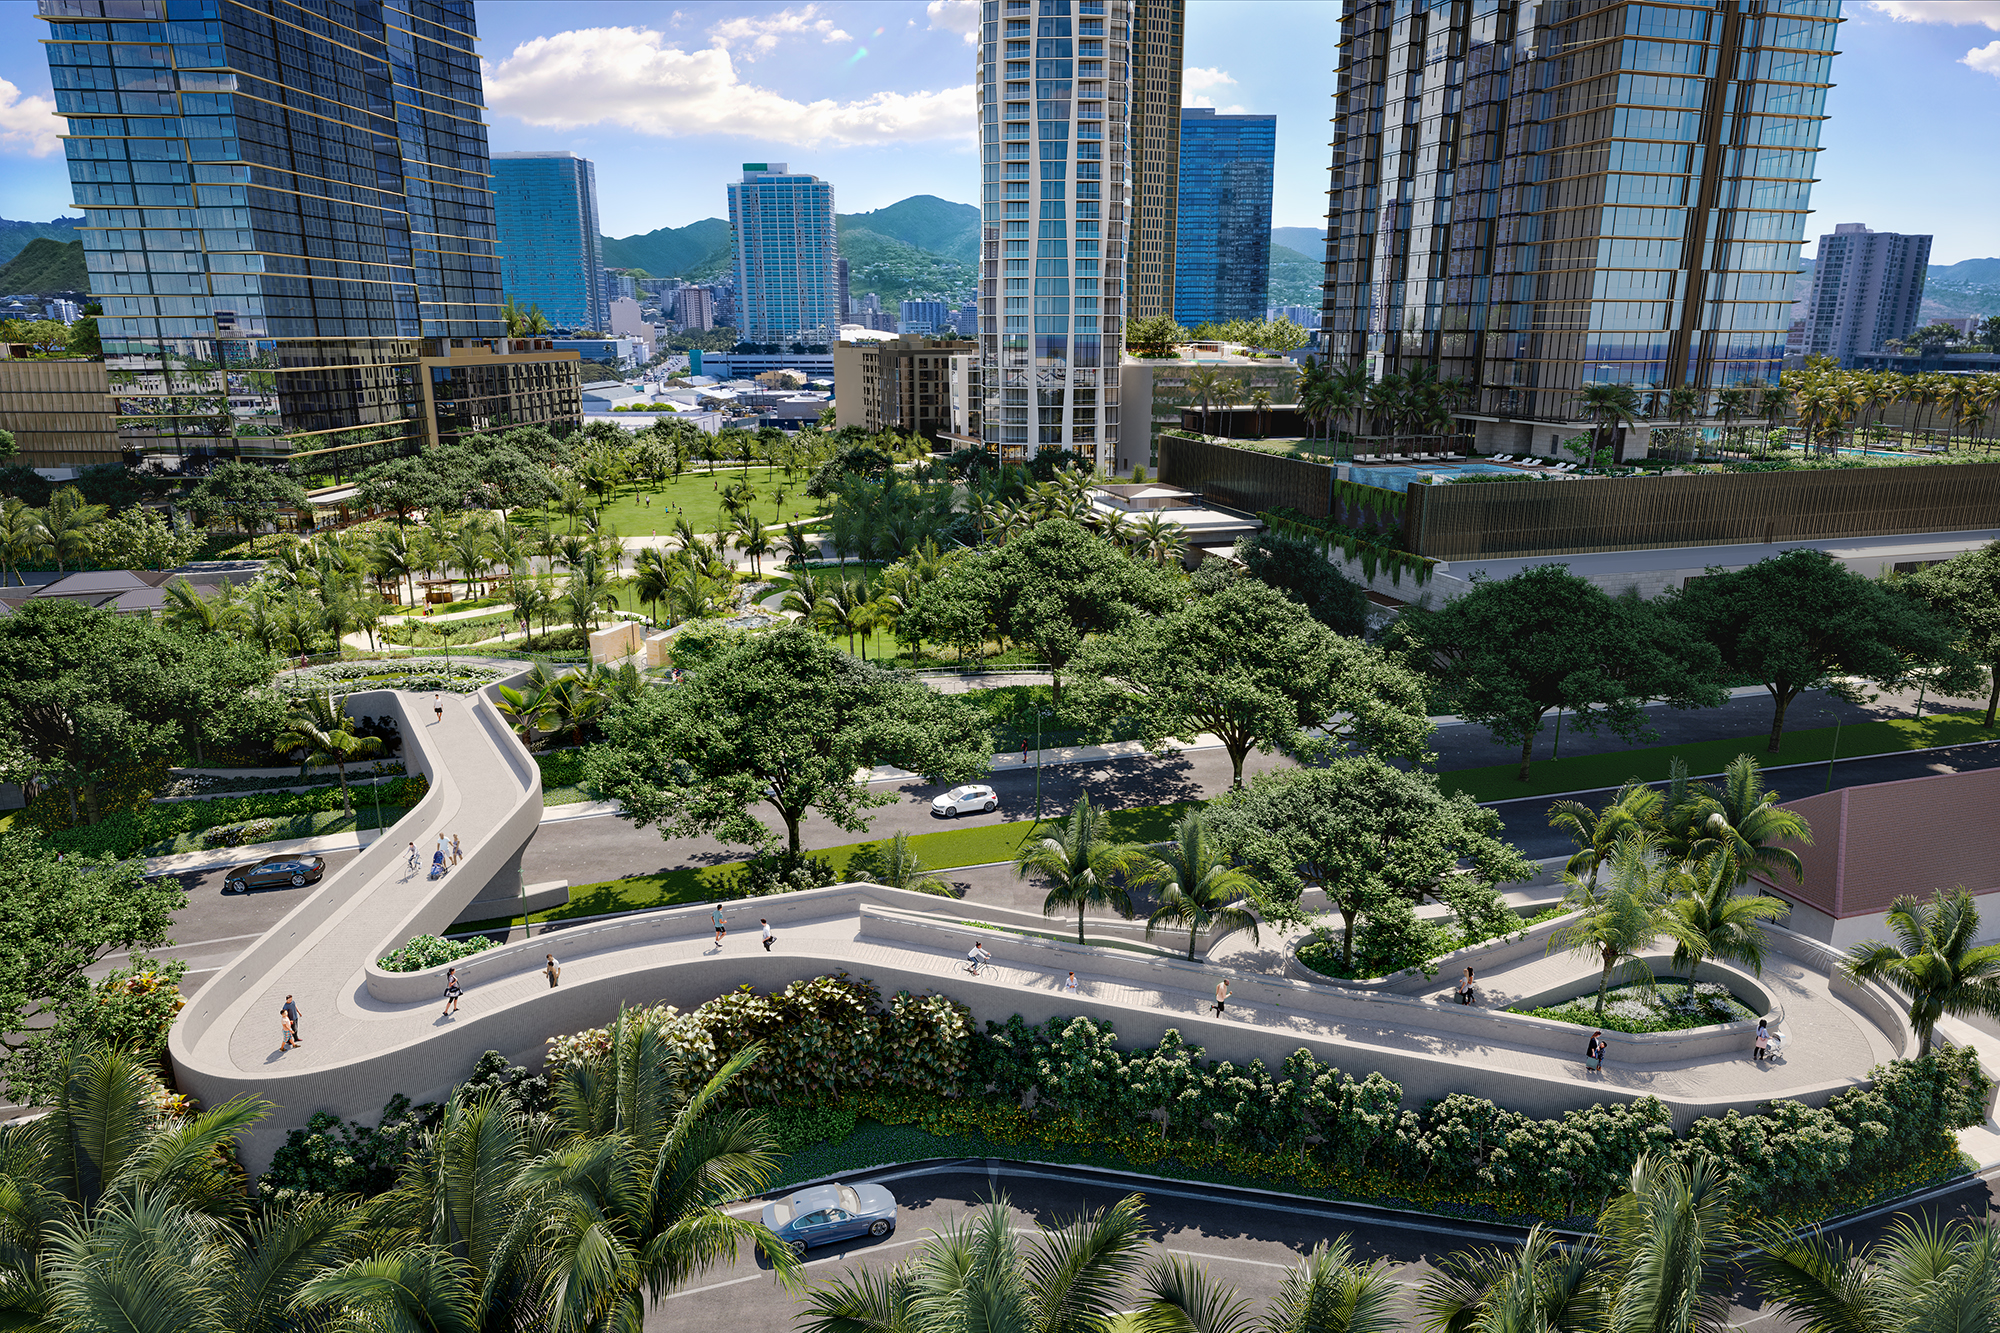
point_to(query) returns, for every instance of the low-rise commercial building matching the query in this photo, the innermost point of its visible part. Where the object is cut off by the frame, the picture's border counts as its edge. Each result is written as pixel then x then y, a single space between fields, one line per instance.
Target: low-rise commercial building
pixel 471 385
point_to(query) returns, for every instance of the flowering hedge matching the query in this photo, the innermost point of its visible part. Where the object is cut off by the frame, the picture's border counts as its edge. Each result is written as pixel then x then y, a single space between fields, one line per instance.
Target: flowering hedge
pixel 402 673
pixel 1065 1086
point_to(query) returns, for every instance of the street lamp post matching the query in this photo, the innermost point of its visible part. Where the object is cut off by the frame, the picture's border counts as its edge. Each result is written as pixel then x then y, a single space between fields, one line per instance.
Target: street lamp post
pixel 1835 714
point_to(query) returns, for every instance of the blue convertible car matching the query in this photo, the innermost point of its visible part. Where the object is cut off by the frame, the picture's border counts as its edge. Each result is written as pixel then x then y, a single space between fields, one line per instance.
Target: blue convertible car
pixel 823 1214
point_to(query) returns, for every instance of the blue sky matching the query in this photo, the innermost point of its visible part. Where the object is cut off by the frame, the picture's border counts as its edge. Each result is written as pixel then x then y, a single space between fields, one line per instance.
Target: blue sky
pixel 669 98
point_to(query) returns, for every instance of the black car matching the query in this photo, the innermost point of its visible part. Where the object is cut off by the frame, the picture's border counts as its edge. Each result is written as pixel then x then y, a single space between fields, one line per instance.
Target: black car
pixel 272 871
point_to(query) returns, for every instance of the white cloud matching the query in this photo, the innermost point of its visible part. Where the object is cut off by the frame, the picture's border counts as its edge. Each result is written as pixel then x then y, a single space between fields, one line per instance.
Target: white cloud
pixel 1983 12
pixel 632 77
pixel 959 16
pixel 1985 59
pixel 27 124
pixel 1199 87
pixel 762 35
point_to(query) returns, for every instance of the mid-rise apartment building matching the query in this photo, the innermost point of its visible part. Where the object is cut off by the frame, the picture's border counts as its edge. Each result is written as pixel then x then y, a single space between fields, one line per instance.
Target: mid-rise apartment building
pixel 787 278
pixel 295 194
pixel 1222 232
pixel 1536 197
pixel 901 384
pixel 1867 290
pixel 545 205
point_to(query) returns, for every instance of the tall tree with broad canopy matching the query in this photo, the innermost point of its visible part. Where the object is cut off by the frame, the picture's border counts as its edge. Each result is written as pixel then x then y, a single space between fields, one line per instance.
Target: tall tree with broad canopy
pixel 58 919
pixel 1967 588
pixel 1514 650
pixel 1376 839
pixel 784 720
pixel 1058 583
pixel 89 693
pixel 1800 621
pixel 1254 668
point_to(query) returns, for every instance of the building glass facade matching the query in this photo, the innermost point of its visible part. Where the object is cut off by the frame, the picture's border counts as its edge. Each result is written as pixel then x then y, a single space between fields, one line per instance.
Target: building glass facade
pixel 1222 233
pixel 1156 152
pixel 1538 197
pixel 787 281
pixel 545 205
pixel 1054 90
pixel 290 198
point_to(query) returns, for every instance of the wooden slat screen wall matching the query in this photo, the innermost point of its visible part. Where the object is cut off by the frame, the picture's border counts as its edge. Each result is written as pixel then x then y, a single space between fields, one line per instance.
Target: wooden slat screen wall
pixel 1714 509
pixel 1244 479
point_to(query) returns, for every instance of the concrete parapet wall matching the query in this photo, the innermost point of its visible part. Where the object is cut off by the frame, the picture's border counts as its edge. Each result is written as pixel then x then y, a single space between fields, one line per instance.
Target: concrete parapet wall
pixel 616 641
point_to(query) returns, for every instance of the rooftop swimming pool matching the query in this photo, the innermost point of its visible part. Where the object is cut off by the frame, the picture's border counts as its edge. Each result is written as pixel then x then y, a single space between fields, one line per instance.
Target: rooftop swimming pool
pixel 1397 477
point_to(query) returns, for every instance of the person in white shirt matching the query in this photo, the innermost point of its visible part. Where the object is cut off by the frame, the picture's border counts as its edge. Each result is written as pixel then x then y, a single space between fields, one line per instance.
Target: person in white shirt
pixel 1071 987
pixel 769 934
pixel 977 954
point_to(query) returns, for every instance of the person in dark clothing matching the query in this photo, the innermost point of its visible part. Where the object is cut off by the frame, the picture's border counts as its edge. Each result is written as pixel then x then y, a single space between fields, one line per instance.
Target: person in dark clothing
pixel 1593 1054
pixel 292 1012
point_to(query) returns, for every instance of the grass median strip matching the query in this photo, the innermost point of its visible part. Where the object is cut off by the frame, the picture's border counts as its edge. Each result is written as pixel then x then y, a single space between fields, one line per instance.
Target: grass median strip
pixel 1498 782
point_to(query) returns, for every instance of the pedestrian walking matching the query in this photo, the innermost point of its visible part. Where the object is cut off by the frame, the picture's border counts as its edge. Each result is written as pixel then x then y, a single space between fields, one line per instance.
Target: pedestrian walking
pixel 456 854
pixel 977 955
pixel 553 971
pixel 292 1013
pixel 769 934
pixel 285 1027
pixel 720 923
pixel 1221 996
pixel 437 703
pixel 1070 987
pixel 451 992
pixel 1593 1052
pixel 1024 752
pixel 1465 987
pixel 1762 1048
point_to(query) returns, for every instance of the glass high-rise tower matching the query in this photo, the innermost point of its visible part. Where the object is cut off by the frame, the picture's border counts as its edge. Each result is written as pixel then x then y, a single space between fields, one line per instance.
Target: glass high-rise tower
pixel 1055 96
pixel 545 204
pixel 787 278
pixel 1222 233
pixel 288 199
pixel 1156 153
pixel 1536 197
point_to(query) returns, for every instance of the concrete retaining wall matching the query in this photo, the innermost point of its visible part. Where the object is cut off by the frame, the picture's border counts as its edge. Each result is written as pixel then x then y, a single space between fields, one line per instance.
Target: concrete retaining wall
pixel 616 641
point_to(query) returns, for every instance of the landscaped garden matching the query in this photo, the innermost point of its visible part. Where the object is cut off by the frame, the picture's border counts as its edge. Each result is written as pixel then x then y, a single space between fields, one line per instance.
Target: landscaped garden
pixel 1666 1007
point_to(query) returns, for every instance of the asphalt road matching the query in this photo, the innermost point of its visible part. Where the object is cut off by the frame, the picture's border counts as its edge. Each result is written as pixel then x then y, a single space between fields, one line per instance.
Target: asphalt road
pixel 1245 1239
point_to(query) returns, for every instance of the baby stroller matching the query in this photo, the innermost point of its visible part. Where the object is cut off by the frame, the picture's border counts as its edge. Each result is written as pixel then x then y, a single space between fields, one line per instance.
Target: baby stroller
pixel 437 865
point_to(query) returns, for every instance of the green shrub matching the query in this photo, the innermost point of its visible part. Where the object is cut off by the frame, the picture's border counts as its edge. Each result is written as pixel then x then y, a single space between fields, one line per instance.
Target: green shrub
pixel 431 951
pixel 236 835
pixel 126 832
pixel 764 876
pixel 798 1127
pixel 329 1157
pixel 1666 1008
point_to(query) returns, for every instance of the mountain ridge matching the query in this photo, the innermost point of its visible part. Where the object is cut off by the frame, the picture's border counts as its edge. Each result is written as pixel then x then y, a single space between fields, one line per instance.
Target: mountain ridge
pixel 14 236
pixel 44 267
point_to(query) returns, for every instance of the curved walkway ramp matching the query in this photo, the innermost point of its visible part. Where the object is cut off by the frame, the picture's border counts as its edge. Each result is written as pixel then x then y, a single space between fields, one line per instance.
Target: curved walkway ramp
pixel 486 790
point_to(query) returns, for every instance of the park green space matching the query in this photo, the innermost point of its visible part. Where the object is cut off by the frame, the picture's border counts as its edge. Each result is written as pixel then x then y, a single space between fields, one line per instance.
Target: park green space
pixel 1500 782
pixel 637 510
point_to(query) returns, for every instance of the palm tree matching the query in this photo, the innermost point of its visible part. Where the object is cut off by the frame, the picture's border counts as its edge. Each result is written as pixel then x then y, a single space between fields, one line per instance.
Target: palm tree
pixel 1934 962
pixel 1730 404
pixel 1922 1275
pixel 1227 395
pixel 1203 385
pixel 1635 809
pixel 1710 919
pixel 1260 398
pixel 392 560
pixel 1606 405
pixel 1080 863
pixel 191 613
pixel 1742 821
pixel 1624 919
pixel 1327 1291
pixel 754 540
pixel 324 734
pixel 1669 1248
pixel 17 539
pixel 842 607
pixel 1684 405
pixel 653 573
pixel 587 590
pixel 895 865
pixel 1198 888
pixel 1159 537
pixel 1539 1285
pixel 975 1275
pixel 67 527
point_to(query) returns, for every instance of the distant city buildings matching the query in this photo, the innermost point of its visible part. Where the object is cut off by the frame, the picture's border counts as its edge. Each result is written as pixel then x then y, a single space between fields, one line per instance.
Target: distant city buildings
pixel 545 204
pixel 695 308
pixel 901 384
pixel 1867 290
pixel 787 280
pixel 1305 316
pixel 1222 232
pixel 924 318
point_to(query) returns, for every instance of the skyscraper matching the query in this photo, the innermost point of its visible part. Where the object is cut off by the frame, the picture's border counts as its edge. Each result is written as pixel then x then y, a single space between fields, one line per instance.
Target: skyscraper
pixel 1867 288
pixel 295 189
pixel 1055 139
pixel 1156 152
pixel 1222 233
pixel 787 282
pixel 550 251
pixel 1540 197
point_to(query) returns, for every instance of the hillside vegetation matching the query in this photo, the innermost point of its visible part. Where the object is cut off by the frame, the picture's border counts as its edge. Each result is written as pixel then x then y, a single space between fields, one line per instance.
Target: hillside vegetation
pixel 14 236
pixel 44 266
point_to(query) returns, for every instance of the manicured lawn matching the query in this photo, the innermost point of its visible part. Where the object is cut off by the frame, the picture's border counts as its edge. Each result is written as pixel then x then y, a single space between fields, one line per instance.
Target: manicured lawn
pixel 976 844
pixel 1803 746
pixel 645 511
